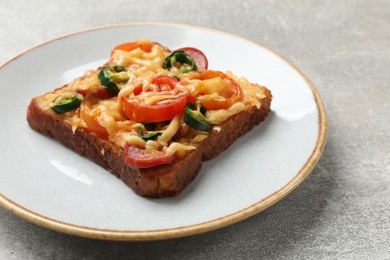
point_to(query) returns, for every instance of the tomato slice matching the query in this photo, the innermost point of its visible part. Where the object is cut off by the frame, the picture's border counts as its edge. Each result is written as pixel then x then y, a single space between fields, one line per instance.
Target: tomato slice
pixel 137 158
pixel 129 46
pixel 164 83
pixel 161 111
pixel 158 112
pixel 231 94
pixel 198 56
pixel 161 81
pixel 92 123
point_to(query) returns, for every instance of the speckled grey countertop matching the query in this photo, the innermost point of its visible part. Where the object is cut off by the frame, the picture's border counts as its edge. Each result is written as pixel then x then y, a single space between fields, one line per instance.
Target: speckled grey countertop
pixel 341 211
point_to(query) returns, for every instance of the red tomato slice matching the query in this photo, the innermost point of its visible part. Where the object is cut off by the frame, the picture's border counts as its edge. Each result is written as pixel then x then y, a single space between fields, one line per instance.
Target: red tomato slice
pixel 161 81
pixel 158 112
pixel 198 56
pixel 164 83
pixel 232 95
pixel 138 158
pixel 129 46
pixel 92 123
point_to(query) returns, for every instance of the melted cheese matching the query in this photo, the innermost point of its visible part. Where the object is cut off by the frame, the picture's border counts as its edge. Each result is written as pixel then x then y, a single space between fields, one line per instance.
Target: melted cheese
pixel 178 149
pixel 209 86
pixel 142 67
pixel 152 145
pixel 217 117
pixel 152 61
pixel 108 114
pixel 170 131
pixel 85 83
pixel 160 98
pixel 131 139
pixel 253 93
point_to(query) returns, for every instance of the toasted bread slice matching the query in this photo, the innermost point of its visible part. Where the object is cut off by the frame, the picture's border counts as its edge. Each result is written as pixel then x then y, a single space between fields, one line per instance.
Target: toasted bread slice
pixel 157 181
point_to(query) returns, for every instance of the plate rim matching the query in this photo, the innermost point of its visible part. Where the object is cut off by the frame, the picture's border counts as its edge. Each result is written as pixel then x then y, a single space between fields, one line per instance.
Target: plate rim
pixel 182 231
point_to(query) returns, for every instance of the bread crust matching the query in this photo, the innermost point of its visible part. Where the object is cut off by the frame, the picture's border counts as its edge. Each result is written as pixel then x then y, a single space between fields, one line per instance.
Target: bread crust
pixel 159 181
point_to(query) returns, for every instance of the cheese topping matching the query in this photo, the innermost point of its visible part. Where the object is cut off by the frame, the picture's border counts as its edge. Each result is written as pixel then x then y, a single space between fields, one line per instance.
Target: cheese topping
pixel 102 112
pixel 170 131
pixel 216 117
pixel 178 149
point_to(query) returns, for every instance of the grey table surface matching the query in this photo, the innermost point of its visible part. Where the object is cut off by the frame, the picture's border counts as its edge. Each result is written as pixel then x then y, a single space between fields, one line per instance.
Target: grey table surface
pixel 341 211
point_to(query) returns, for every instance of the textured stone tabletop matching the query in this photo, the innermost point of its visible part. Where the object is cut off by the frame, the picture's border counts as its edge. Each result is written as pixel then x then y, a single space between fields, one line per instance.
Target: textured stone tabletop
pixel 341 211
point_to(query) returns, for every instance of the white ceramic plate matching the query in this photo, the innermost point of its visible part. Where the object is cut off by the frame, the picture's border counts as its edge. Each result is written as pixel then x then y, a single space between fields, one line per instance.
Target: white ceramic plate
pixel 50 185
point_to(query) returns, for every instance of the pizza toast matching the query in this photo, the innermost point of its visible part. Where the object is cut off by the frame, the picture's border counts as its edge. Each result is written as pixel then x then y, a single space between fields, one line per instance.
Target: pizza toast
pixel 150 116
